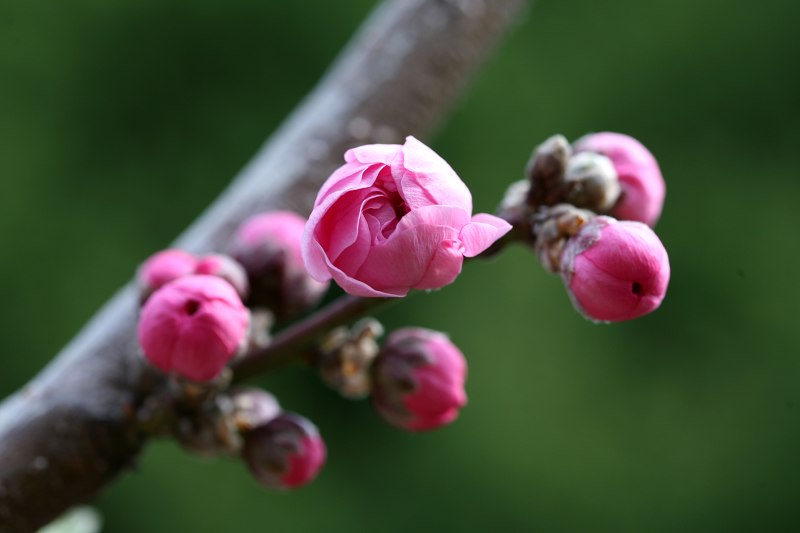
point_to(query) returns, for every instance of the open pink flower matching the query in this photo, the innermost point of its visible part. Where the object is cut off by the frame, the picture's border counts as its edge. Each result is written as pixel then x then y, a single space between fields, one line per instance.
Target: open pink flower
pixel 639 176
pixel 193 326
pixel 615 270
pixel 393 218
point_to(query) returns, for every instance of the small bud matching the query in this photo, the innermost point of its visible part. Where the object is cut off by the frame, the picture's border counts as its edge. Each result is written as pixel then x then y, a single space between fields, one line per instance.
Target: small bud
pixel 615 270
pixel 253 408
pixel 193 326
pixel 207 429
pixel 546 168
pixel 285 453
pixel 640 177
pixel 553 226
pixel 226 268
pixel 419 379
pixel 163 267
pixel 258 335
pixel 592 182
pixel 268 247
pixel 345 358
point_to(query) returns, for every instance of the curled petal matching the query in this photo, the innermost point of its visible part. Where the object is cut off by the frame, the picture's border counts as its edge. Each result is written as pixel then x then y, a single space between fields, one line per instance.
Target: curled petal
pixel 424 179
pixel 373 153
pixel 402 262
pixel 482 232
pixel 349 178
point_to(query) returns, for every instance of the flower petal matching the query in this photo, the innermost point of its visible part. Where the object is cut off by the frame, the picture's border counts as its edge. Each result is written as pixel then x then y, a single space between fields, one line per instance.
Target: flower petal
pixel 402 261
pixel 482 232
pixel 424 178
pixel 354 286
pixel 435 215
pixel 374 153
pixel 350 177
pixel 444 268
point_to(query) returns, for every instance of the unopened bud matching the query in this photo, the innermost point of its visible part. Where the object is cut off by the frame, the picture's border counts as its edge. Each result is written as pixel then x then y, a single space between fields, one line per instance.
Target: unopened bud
pixel 226 268
pixel 268 247
pixel 285 453
pixel 193 326
pixel 615 270
pixel 553 226
pixel 345 358
pixel 546 169
pixel 207 429
pixel 643 187
pixel 591 182
pixel 419 379
pixel 253 408
pixel 161 268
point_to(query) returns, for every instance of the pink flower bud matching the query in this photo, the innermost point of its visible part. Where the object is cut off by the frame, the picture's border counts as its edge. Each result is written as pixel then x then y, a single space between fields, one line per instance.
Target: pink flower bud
pixel 226 268
pixel 643 187
pixel 193 326
pixel 268 247
pixel 419 379
pixel 615 270
pixel 163 267
pixel 393 218
pixel 285 453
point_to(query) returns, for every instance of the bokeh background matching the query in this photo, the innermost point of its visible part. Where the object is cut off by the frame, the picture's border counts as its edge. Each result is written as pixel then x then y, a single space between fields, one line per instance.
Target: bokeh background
pixel 121 120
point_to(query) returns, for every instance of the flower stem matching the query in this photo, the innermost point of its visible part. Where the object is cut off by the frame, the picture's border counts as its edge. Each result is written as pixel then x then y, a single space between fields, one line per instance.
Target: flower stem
pixel 292 341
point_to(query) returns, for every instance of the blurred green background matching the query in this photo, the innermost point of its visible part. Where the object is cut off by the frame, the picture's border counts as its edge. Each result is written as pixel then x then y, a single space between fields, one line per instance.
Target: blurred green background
pixel 120 120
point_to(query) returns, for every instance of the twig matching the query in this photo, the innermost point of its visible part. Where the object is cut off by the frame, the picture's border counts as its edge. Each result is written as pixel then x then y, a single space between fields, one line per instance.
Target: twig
pixel 290 342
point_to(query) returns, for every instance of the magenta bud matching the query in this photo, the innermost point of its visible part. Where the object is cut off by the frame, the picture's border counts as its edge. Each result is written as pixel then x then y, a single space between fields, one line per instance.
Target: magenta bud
pixel 639 175
pixel 253 408
pixel 193 326
pixel 268 247
pixel 226 268
pixel 285 453
pixel 419 379
pixel 615 270
pixel 163 267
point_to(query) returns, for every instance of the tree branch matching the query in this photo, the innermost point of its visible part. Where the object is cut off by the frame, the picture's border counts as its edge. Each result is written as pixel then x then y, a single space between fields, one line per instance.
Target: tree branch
pixel 72 429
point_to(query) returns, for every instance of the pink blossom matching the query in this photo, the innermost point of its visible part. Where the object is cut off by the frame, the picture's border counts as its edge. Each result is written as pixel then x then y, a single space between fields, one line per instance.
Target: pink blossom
pixel 615 270
pixel 285 453
pixel 643 187
pixel 226 268
pixel 282 230
pixel 268 247
pixel 419 379
pixel 193 326
pixel 163 267
pixel 393 218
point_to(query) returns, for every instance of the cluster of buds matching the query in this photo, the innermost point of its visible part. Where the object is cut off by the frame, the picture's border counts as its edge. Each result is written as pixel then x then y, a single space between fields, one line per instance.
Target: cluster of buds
pixel 613 268
pixel 198 315
pixel 415 380
pixel 391 219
